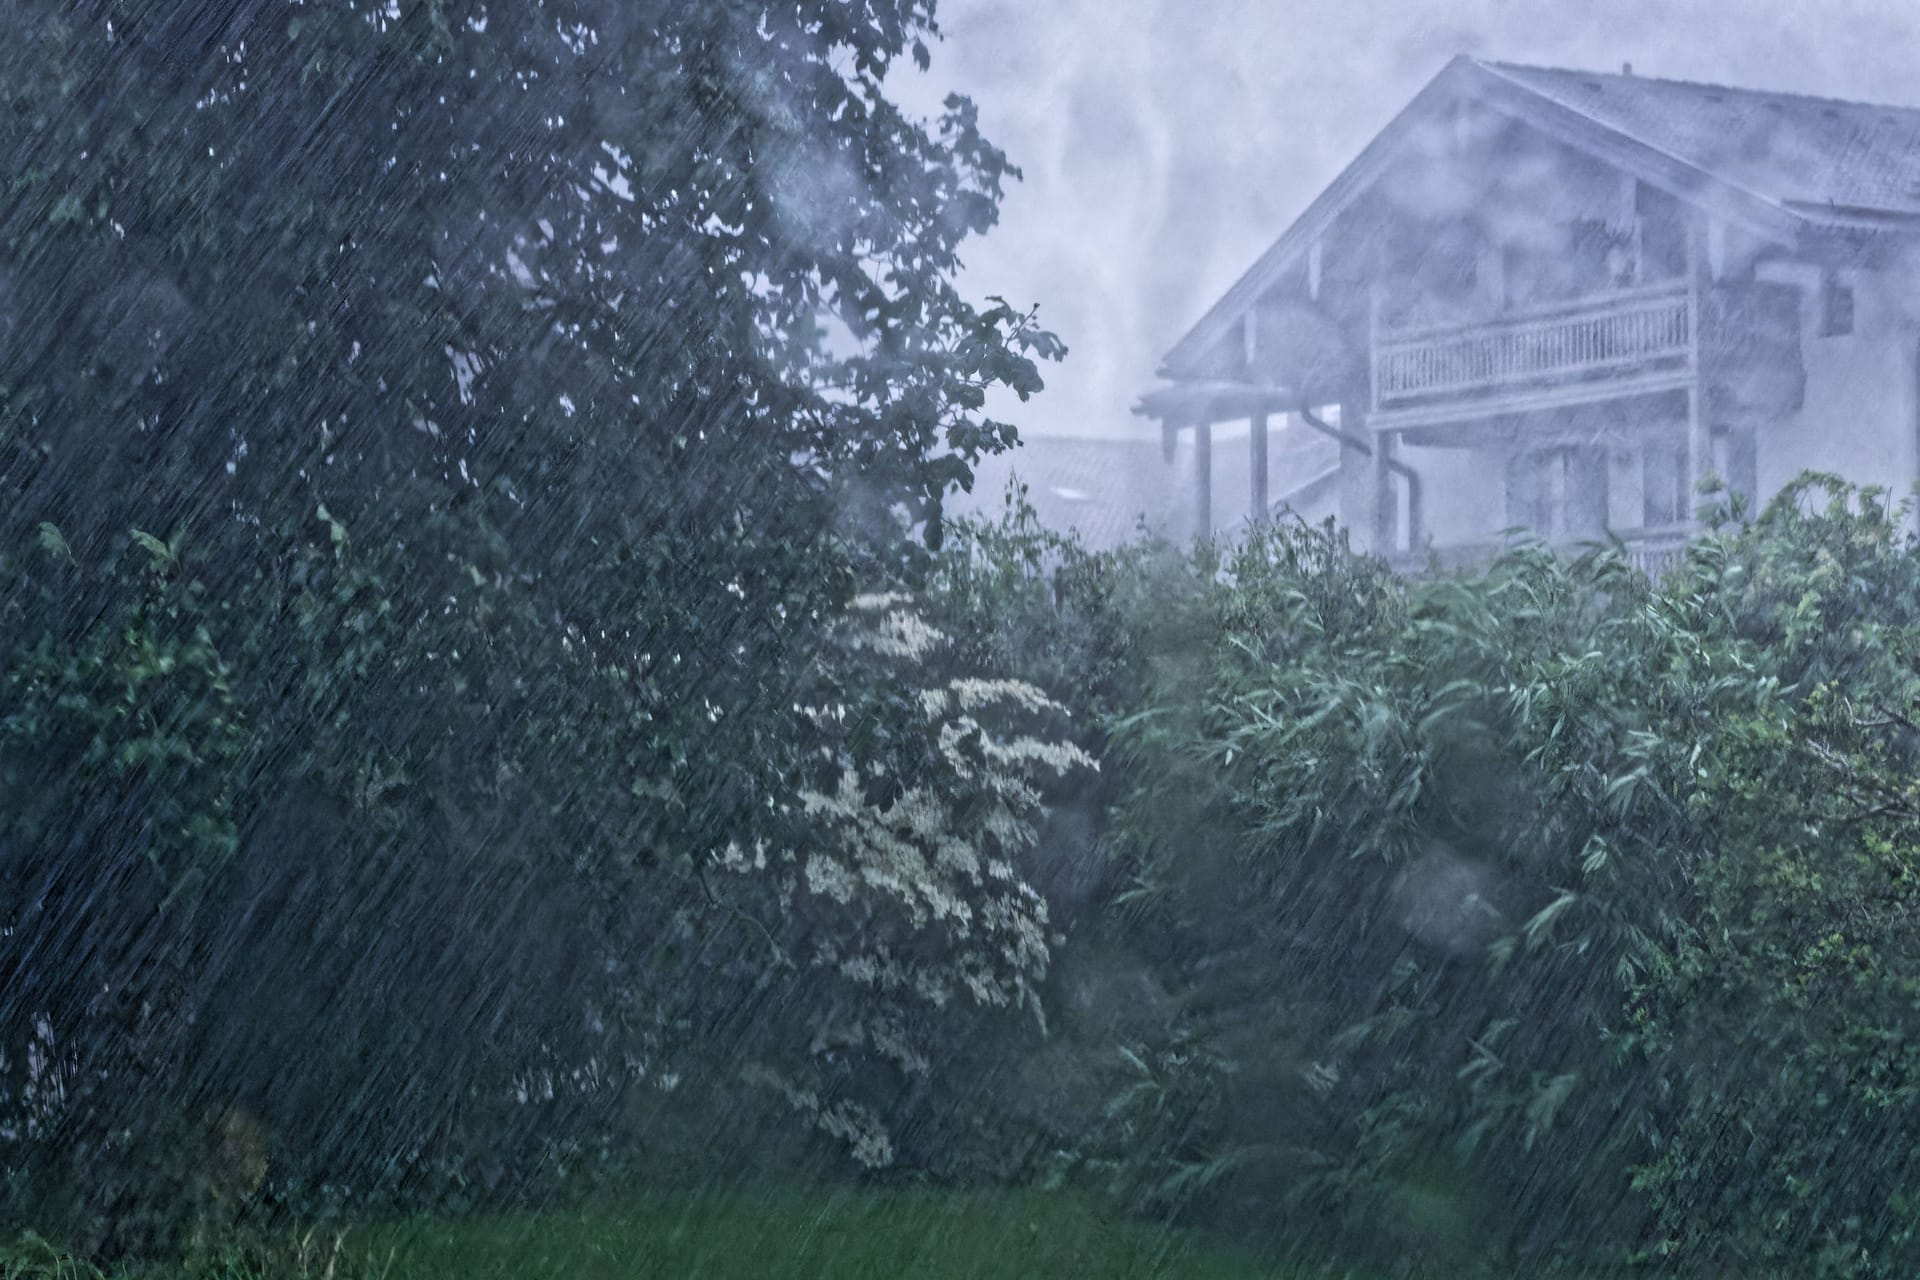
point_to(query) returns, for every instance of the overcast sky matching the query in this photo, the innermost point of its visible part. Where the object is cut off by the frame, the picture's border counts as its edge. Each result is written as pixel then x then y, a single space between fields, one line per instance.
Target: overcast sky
pixel 1167 142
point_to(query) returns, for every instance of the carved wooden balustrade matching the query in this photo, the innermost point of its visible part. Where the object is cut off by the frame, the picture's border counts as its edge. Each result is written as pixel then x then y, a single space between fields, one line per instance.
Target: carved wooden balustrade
pixel 1623 342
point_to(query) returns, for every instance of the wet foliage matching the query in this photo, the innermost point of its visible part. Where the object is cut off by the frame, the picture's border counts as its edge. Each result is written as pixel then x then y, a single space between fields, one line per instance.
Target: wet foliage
pixel 437 443
pixel 1535 918
pixel 505 763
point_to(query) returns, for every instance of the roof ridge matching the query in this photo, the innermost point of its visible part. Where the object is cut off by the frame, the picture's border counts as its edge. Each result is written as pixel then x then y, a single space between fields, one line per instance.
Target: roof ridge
pixel 1840 167
pixel 1747 91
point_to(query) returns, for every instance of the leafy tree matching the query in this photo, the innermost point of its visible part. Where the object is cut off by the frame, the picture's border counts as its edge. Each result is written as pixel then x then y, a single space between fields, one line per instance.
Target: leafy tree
pixel 142 707
pixel 516 392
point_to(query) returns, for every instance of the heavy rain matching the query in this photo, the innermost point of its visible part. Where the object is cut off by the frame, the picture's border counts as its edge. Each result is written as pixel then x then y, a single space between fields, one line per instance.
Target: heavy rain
pixel 1110 638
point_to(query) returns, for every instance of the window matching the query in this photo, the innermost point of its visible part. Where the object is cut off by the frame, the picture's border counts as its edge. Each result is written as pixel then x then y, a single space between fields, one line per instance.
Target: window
pixel 1559 492
pixel 1662 228
pixel 1836 306
pixel 1664 486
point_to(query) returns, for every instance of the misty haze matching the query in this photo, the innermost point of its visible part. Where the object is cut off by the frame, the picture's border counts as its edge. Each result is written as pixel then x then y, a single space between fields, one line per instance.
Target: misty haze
pixel 1130 639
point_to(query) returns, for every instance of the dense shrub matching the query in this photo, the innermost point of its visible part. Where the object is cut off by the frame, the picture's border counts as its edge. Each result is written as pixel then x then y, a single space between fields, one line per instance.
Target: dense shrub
pixel 1540 913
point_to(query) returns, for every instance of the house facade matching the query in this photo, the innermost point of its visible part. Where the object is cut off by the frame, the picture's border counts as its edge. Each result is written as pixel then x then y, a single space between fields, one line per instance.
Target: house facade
pixel 1558 302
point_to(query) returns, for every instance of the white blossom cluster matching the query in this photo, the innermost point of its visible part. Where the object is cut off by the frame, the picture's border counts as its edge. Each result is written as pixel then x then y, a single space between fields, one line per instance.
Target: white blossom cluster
pixel 866 1137
pixel 892 630
pixel 914 895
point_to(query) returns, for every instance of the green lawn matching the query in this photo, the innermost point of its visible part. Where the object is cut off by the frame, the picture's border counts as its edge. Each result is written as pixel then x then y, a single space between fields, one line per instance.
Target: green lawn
pixel 845 1236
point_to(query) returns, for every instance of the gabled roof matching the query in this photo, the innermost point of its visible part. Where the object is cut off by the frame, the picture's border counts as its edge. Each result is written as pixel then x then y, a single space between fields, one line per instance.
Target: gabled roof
pixel 1782 165
pixel 1819 156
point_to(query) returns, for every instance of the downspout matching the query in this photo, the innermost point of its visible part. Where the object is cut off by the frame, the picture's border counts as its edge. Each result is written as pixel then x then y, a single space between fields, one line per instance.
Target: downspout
pixel 1415 503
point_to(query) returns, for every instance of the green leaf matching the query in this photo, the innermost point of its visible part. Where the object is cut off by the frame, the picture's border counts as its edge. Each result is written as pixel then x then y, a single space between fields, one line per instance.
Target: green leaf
pixel 1538 926
pixel 53 542
pixel 159 551
pixel 336 532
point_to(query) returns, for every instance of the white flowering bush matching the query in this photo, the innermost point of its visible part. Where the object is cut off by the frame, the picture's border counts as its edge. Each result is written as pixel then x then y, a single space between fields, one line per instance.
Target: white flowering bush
pixel 902 893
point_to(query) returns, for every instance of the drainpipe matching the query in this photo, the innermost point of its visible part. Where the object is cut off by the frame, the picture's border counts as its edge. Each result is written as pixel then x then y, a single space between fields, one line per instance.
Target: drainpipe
pixel 1416 504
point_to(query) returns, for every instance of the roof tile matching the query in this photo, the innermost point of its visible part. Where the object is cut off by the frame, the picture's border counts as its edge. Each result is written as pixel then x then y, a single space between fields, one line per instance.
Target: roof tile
pixel 1794 149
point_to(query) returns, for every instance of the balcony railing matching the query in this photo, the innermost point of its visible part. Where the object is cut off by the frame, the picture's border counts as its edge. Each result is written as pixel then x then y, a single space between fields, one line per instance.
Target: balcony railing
pixel 1525 355
pixel 1655 552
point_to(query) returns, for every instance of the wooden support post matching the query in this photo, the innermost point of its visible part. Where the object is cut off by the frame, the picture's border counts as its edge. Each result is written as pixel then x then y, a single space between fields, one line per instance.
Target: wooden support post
pixel 1386 507
pixel 1373 352
pixel 1743 464
pixel 1359 496
pixel 1701 250
pixel 1699 451
pixel 1257 460
pixel 1203 479
pixel 1416 511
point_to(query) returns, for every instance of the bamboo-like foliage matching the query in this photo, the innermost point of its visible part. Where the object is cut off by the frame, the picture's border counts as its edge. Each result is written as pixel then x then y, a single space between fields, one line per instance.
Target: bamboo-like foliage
pixel 1533 914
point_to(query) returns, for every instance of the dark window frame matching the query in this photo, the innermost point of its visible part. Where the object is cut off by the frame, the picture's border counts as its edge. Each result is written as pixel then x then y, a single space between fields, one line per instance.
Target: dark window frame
pixel 1836 306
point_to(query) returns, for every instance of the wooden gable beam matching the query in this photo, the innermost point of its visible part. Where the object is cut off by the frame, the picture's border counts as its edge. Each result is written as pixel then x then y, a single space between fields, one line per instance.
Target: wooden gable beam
pixel 1465 78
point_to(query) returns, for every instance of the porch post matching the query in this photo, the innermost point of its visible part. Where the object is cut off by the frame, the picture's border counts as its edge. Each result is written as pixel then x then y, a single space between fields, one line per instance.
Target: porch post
pixel 1416 511
pixel 1699 450
pixel 1203 479
pixel 1386 509
pixel 1699 430
pixel 1257 438
pixel 1359 481
pixel 1743 464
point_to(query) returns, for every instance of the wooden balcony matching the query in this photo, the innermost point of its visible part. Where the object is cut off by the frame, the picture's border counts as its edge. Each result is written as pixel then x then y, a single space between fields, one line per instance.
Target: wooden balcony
pixel 1656 551
pixel 1625 342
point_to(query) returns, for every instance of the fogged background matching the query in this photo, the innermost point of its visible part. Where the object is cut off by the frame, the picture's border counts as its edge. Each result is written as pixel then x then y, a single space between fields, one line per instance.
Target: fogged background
pixel 1165 143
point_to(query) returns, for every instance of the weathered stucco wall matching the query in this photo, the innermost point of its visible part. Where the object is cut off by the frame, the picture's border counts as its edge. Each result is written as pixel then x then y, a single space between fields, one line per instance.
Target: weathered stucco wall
pixel 1860 418
pixel 1465 492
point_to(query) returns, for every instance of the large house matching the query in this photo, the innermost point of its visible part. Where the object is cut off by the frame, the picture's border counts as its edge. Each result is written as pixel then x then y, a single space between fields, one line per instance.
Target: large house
pixel 1557 301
